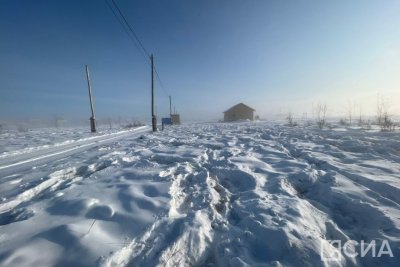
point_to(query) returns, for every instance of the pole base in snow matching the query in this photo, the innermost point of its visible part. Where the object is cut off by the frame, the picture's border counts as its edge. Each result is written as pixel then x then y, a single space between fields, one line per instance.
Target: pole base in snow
pixel 92 125
pixel 154 123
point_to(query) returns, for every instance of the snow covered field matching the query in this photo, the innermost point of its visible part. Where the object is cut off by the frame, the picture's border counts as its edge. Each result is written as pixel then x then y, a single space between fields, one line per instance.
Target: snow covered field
pixel 246 194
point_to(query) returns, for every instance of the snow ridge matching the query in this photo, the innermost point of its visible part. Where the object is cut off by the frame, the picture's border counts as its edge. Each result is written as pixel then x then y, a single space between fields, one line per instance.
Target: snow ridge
pixel 243 194
pixel 253 196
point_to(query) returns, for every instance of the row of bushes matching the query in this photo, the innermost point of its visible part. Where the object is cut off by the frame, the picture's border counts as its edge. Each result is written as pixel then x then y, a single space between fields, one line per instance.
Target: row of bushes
pixel 383 119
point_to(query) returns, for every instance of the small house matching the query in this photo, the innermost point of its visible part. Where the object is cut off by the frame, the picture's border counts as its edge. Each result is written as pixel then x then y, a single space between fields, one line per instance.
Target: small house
pixel 239 112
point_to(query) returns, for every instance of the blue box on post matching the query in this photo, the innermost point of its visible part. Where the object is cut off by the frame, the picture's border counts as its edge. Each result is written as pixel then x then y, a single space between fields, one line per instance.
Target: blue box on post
pixel 165 121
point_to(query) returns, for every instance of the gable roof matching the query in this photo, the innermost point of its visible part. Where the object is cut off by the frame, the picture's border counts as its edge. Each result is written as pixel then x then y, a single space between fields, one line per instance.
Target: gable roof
pixel 238 105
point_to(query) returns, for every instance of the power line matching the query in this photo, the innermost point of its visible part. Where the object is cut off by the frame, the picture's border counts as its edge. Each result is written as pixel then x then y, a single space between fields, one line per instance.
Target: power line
pixel 124 27
pixel 161 83
pixel 125 24
pixel 134 37
pixel 131 29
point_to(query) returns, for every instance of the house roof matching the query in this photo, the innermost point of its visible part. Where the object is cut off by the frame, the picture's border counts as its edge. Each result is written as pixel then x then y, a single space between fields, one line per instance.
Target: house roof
pixel 238 105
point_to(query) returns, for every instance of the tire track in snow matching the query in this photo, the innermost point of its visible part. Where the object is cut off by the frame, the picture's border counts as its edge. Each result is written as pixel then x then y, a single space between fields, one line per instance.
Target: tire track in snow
pixel 56 179
pixel 67 149
pixel 53 180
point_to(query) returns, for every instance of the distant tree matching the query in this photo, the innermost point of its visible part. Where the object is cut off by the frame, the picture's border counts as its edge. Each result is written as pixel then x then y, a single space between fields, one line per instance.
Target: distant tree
pixel 22 128
pixel 109 122
pixel 290 119
pixel 58 121
pixel 360 119
pixel 383 118
pixel 380 110
pixel 350 111
pixel 119 121
pixel 320 111
pixel 387 123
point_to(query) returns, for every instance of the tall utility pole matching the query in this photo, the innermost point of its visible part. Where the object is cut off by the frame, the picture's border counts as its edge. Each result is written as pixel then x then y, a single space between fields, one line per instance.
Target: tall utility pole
pixel 92 119
pixel 170 106
pixel 153 116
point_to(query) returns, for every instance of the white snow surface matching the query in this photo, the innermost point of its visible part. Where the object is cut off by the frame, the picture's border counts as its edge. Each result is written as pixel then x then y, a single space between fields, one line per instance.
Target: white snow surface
pixel 239 194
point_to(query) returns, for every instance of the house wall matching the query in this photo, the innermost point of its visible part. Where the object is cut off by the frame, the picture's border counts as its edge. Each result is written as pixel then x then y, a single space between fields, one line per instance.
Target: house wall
pixel 239 113
pixel 175 118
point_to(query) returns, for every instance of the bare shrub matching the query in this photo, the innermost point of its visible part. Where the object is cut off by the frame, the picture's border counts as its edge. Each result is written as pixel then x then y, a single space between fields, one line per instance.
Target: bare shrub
pixel 350 112
pixel 380 110
pixel 320 111
pixel 290 119
pixel 383 118
pixel 387 123
pixel 367 125
pixel 109 122
pixel 361 122
pixel 343 122
pixel 133 125
pixel 22 128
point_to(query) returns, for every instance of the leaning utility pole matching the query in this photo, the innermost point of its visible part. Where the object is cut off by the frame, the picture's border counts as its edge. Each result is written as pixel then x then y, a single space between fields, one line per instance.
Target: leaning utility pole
pixel 170 106
pixel 153 116
pixel 92 119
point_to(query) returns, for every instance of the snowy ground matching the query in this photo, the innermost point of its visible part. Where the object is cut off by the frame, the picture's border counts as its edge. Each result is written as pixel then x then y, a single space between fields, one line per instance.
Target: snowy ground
pixel 248 194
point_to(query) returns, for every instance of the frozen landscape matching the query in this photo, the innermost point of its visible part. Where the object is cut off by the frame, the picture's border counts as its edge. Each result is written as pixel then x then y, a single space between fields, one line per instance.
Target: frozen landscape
pixel 217 194
pixel 281 143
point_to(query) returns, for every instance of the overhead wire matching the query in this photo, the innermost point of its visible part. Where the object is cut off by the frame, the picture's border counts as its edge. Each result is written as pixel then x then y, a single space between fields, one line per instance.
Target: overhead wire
pixel 135 39
pixel 161 83
pixel 124 27
pixel 131 29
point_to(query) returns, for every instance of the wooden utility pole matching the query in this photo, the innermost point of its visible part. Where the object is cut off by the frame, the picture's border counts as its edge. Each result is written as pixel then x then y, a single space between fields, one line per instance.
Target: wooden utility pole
pixel 92 119
pixel 153 116
pixel 170 106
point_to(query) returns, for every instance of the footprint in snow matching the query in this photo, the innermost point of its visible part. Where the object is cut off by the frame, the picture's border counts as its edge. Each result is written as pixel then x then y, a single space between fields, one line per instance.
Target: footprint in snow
pixel 100 212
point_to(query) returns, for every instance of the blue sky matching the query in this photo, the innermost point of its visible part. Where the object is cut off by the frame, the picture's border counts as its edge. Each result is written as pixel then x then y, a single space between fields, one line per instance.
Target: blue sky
pixel 275 56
